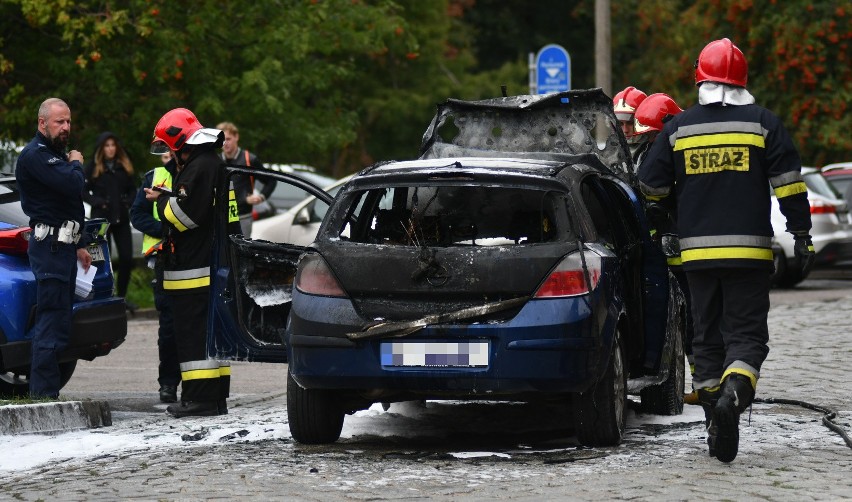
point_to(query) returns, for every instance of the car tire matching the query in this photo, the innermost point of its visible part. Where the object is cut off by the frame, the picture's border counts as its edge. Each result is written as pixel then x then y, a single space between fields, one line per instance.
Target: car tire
pixel 20 386
pixel 315 416
pixel 66 371
pixel 666 398
pixel 599 413
pixel 791 277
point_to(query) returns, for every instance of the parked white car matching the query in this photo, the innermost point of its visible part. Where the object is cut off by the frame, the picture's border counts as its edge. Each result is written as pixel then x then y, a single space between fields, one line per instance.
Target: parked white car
pixel 831 229
pixel 299 224
pixel 285 196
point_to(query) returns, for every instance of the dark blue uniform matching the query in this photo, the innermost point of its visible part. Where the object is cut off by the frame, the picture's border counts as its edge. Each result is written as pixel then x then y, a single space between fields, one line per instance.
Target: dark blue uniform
pixel 51 190
pixel 142 218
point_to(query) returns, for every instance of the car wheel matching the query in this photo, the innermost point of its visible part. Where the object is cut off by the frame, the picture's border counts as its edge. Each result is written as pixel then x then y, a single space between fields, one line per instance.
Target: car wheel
pixel 792 276
pixel 315 416
pixel 599 412
pixel 666 398
pixel 66 370
pixel 13 385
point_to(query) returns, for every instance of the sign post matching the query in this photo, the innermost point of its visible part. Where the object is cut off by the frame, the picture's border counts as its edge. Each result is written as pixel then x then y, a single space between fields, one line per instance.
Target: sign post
pixel 553 70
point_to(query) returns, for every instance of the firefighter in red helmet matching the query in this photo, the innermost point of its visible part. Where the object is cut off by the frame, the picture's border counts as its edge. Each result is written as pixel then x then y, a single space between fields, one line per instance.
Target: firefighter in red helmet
pixel 624 104
pixel 187 211
pixel 650 116
pixel 716 159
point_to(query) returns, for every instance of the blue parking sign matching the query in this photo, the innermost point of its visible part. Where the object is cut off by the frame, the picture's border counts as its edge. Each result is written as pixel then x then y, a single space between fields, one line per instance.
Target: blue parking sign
pixel 553 69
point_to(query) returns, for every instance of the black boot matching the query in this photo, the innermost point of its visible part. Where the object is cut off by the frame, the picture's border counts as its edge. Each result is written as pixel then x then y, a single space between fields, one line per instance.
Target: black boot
pixel 707 399
pixel 222 406
pixel 193 409
pixel 168 393
pixel 735 397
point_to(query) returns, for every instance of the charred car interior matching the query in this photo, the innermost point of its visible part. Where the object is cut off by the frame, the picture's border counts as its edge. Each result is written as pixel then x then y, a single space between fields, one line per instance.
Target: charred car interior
pixel 511 261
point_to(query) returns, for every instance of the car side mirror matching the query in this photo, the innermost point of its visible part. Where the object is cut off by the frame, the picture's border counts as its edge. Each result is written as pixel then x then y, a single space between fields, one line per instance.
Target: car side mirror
pixel 303 217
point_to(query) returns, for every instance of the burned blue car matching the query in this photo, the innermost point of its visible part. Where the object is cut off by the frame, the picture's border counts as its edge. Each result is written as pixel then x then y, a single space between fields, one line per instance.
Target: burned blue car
pixel 511 261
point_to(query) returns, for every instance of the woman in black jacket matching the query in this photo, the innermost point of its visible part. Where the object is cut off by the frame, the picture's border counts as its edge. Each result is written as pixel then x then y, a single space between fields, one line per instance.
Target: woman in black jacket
pixel 110 190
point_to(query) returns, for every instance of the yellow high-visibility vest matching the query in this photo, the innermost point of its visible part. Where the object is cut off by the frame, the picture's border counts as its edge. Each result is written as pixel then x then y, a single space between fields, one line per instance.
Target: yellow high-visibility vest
pixel 162 178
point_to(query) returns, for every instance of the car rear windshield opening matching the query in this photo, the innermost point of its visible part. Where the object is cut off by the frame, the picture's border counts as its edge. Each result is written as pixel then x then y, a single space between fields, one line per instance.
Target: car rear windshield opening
pixel 455 216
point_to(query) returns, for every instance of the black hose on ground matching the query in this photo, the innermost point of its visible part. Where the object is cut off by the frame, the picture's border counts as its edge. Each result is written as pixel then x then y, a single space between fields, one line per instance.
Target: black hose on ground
pixel 827 419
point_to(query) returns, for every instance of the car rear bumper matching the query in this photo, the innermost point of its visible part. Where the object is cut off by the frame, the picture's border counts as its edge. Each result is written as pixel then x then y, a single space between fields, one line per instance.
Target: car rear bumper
pixel 97 327
pixel 550 346
pixel 835 251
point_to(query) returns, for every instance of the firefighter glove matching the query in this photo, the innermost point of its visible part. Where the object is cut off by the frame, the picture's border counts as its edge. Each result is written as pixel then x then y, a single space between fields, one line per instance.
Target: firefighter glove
pixel 804 251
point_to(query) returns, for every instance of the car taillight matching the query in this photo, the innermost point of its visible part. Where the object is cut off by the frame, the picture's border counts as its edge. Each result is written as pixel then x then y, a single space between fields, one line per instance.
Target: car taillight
pixel 314 277
pixel 15 241
pixel 822 207
pixel 569 278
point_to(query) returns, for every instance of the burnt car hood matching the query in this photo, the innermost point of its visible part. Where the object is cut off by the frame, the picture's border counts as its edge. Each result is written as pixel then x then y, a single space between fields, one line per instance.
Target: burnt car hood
pixel 546 127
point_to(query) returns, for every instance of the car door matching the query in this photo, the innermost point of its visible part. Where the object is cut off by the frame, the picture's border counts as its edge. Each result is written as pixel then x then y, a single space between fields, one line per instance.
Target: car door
pixel 251 281
pixel 643 265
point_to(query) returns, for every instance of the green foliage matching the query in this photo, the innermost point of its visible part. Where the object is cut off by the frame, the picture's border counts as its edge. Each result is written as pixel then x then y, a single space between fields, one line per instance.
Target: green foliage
pixel 341 83
pixel 798 53
pixel 140 291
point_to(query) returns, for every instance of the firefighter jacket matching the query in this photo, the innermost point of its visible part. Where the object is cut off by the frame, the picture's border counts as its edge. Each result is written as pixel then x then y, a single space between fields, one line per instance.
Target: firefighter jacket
pixel 188 212
pixel 720 161
pixel 51 187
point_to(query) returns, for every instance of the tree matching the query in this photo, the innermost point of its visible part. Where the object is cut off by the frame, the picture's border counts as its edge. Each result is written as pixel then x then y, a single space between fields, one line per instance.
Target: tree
pixel 282 71
pixel 342 83
pixel 795 49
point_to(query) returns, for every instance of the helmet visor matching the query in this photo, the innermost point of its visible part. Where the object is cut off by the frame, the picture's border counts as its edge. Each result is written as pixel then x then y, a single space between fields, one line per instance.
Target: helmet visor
pixel 159 147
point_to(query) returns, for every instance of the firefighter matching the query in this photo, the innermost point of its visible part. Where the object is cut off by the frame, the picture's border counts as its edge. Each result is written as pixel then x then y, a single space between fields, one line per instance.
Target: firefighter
pixel 648 120
pixel 717 158
pixel 624 104
pixel 145 218
pixel 188 212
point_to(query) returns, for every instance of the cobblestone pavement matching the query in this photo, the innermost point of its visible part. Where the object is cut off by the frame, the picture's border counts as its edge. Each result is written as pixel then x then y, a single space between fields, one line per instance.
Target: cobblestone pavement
pixel 488 451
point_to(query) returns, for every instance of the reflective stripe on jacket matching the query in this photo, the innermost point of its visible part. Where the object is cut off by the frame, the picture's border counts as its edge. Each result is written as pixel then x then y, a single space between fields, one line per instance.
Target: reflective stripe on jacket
pixel 162 178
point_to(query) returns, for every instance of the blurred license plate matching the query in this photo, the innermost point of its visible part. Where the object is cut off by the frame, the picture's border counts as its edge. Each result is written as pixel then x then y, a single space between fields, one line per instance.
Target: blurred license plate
pixel 435 354
pixel 97 253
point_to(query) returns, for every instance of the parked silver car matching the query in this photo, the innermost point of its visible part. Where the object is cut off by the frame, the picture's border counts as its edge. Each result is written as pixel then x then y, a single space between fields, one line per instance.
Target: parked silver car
pixel 831 229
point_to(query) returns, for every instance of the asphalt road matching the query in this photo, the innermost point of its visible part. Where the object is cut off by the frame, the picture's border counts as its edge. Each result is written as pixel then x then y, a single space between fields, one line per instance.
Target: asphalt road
pixel 456 451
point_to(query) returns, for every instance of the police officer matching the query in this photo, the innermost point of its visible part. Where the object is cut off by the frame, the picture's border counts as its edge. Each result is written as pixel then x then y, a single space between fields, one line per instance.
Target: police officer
pixel 145 218
pixel 51 186
pixel 188 213
pixel 717 158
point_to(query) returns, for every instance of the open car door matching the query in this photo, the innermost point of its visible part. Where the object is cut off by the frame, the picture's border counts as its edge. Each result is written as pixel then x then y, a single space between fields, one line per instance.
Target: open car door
pixel 251 281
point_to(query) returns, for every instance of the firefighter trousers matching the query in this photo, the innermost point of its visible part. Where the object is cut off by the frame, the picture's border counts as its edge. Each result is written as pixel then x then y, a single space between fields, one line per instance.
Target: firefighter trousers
pixel 203 379
pixel 730 308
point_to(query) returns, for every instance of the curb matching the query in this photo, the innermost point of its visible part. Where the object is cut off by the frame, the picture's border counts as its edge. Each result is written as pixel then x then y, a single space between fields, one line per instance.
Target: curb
pixel 53 418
